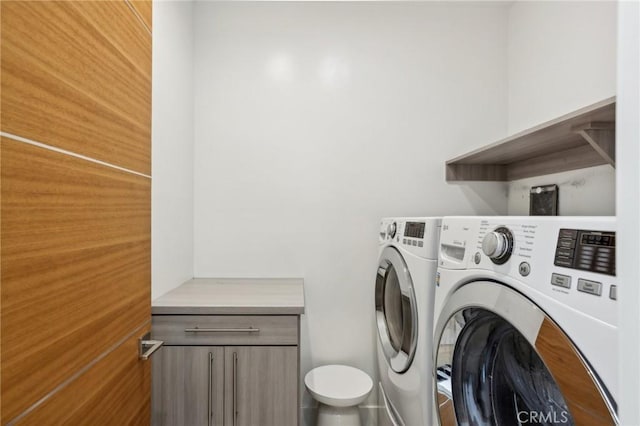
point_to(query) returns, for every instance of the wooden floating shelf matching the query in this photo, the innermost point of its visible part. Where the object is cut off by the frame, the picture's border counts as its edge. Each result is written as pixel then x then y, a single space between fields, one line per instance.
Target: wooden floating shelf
pixel 583 138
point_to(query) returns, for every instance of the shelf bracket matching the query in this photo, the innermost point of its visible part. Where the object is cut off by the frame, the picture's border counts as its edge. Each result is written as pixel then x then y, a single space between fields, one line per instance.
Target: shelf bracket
pixel 602 138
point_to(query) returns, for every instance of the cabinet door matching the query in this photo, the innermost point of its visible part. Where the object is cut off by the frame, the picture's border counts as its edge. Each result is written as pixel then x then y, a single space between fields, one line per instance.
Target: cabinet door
pixel 188 386
pixel 262 385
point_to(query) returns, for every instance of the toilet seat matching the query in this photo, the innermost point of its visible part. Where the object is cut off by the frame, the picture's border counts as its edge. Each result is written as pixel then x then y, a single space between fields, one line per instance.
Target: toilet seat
pixel 338 385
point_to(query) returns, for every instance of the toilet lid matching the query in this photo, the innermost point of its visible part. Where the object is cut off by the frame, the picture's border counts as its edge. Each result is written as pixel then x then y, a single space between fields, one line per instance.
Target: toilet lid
pixel 338 381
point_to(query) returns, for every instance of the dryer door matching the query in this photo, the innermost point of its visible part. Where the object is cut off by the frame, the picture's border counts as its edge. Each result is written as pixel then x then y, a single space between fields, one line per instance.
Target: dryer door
pixel 500 360
pixel 396 310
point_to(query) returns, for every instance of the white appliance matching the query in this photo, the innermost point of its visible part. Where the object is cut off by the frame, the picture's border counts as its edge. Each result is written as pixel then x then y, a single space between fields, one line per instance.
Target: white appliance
pixel 404 288
pixel 526 322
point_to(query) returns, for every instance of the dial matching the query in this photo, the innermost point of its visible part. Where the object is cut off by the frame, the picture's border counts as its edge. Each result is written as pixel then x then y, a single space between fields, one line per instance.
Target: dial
pixel 391 230
pixel 498 244
pixel 494 244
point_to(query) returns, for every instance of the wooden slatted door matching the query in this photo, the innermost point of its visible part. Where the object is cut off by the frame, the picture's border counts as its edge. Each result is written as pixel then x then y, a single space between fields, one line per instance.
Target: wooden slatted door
pixel 75 253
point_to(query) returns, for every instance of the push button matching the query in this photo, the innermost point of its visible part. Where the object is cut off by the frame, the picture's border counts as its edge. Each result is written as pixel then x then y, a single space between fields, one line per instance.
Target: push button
pixel 564 252
pixel 563 261
pixel 566 243
pixel 561 280
pixel 613 292
pixel 568 233
pixel 476 258
pixel 524 269
pixel 591 287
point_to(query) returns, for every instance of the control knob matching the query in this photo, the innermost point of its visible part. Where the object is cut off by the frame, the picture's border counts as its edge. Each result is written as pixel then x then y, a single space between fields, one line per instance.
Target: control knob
pixel 391 230
pixel 497 245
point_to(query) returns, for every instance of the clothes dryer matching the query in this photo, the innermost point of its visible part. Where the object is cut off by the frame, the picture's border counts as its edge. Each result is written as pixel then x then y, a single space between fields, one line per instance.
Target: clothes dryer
pixel 404 291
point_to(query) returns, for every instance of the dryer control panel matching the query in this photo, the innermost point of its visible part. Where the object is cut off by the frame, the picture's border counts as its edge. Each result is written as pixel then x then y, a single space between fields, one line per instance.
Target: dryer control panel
pixel 417 235
pixel 586 250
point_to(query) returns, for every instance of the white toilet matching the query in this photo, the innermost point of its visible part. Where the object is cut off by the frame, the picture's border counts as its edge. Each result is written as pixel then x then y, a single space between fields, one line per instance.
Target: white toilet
pixel 339 389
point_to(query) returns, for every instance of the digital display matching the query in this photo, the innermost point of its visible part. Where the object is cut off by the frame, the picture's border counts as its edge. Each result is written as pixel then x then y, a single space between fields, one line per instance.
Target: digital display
pixel 593 251
pixel 414 230
pixel 598 239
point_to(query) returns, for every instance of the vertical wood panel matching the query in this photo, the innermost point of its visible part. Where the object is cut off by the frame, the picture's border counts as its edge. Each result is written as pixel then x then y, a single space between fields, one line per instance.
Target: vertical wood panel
pixel 114 391
pixel 75 252
pixel 77 75
pixel 144 9
pixel 75 243
pixel 580 392
pixel 446 411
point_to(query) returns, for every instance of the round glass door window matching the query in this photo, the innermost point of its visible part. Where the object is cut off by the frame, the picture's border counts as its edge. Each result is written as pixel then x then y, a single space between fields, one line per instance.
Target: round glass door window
pixel 396 310
pixel 489 374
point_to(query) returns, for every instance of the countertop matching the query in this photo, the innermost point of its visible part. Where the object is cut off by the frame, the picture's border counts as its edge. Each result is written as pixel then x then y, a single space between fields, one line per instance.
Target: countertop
pixel 233 296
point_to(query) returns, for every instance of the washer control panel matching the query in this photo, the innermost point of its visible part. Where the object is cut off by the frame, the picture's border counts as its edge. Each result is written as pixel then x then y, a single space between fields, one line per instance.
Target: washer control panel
pixel 593 251
pixel 569 259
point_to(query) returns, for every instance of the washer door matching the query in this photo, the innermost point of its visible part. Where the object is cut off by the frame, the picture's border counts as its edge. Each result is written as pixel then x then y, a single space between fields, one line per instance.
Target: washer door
pixel 396 310
pixel 500 360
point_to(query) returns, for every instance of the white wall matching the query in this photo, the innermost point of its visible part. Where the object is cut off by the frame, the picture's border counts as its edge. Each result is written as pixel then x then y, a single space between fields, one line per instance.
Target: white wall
pixel 561 57
pixel 628 267
pixel 172 146
pixel 581 192
pixel 314 120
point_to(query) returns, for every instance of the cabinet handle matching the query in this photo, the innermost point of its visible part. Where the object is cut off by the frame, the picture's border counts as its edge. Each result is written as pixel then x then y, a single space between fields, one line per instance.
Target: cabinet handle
pixel 235 388
pixel 197 329
pixel 209 404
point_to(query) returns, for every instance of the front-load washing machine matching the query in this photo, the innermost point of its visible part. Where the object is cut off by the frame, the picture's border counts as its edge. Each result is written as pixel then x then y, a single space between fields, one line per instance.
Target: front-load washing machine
pixel 525 322
pixel 404 286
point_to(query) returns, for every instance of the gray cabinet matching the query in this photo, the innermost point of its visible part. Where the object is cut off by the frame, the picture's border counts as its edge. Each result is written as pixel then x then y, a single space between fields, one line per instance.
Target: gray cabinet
pixel 225 370
pixel 188 386
pixel 264 385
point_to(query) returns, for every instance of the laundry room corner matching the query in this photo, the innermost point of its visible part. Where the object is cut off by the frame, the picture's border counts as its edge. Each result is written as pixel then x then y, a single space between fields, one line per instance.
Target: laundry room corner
pixel 173 145
pixel 320 212
pixel 294 182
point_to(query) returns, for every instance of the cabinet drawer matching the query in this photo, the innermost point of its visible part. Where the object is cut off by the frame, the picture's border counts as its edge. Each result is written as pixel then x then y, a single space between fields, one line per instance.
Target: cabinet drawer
pixel 225 329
